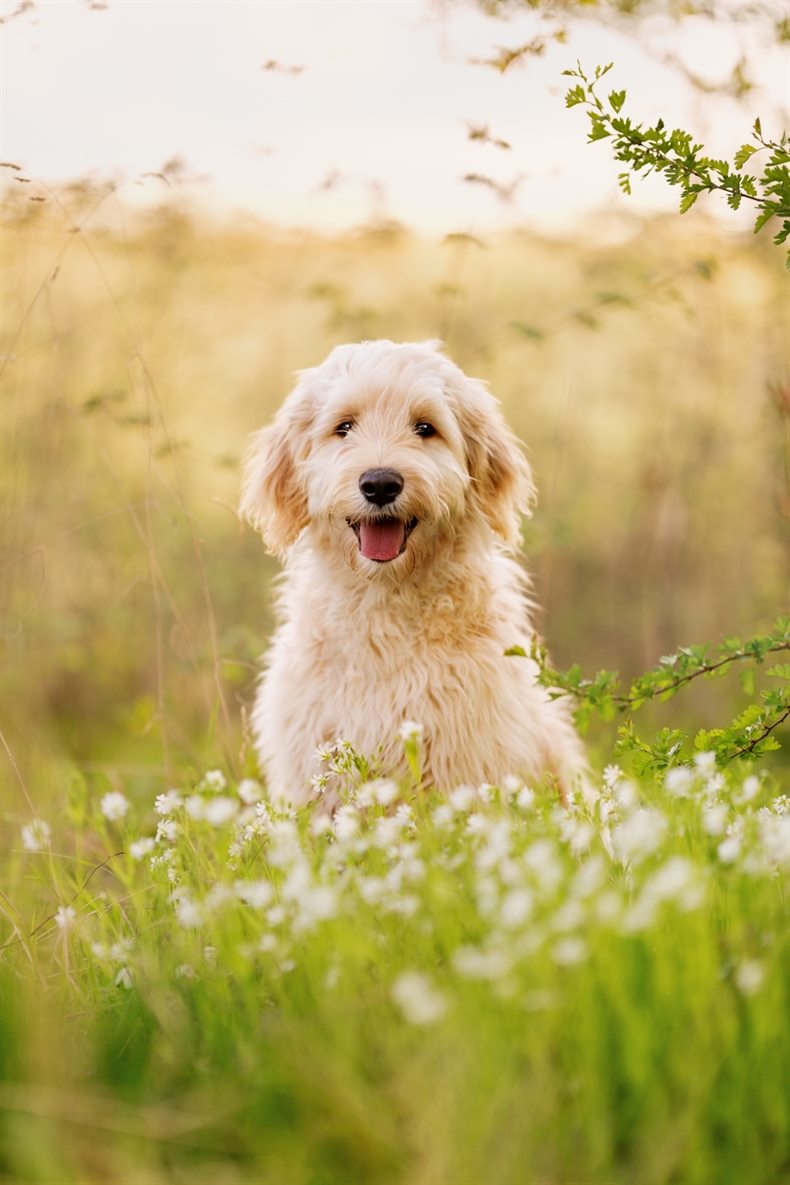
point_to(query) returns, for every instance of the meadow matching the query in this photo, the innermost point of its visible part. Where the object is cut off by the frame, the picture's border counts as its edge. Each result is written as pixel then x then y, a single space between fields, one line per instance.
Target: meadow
pixel 469 986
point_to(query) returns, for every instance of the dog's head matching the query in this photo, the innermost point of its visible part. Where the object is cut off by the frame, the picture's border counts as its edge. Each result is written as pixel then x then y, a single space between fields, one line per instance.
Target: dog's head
pixel 382 452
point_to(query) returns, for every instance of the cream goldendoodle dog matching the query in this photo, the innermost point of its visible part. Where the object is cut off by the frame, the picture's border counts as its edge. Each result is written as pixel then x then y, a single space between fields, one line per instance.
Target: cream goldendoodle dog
pixel 392 488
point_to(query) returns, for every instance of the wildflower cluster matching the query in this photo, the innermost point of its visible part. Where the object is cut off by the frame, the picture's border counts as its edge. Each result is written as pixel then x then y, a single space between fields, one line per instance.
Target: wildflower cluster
pixel 420 899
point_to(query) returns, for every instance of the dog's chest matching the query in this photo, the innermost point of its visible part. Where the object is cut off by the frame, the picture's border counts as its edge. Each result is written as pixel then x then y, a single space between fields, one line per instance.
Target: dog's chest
pixel 386 664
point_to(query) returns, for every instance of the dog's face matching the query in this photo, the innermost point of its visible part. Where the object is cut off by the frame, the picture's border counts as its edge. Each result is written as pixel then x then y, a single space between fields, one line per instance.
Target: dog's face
pixel 383 452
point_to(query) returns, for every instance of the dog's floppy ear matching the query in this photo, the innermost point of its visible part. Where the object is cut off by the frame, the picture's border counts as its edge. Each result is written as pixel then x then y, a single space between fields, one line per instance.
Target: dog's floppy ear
pixel 274 498
pixel 502 488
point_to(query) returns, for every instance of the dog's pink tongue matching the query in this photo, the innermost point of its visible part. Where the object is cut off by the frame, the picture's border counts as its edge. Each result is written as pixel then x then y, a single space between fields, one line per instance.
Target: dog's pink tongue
pixel 381 539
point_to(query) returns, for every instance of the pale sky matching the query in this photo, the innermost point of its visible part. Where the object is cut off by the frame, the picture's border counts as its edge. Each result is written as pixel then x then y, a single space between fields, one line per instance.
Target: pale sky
pixel 376 94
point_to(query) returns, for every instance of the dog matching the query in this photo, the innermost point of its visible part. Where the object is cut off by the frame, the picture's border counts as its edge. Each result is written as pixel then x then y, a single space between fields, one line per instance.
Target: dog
pixel 392 488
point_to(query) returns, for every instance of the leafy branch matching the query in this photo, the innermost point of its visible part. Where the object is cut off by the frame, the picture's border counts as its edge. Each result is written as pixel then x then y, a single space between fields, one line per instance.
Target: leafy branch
pixel 682 161
pixel 749 735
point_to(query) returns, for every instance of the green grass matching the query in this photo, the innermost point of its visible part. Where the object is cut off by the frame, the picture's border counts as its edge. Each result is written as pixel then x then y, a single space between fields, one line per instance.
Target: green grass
pixel 480 988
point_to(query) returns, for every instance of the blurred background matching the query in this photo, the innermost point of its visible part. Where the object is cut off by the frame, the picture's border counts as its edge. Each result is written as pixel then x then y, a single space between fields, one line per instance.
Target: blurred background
pixel 201 198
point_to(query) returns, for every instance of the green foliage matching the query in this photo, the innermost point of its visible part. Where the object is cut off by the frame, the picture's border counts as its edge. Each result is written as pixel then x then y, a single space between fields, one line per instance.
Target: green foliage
pixel 229 991
pixel 750 735
pixel 682 162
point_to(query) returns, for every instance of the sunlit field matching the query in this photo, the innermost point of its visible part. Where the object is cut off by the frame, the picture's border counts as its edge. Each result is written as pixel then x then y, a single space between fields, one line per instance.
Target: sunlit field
pixel 468 985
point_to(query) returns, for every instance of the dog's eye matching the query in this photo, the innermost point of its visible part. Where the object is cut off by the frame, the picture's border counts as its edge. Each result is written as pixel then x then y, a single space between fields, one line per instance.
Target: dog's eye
pixel 424 429
pixel 344 427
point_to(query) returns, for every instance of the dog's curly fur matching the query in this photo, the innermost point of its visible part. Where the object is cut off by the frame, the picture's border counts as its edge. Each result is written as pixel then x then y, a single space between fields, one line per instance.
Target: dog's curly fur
pixel 366 645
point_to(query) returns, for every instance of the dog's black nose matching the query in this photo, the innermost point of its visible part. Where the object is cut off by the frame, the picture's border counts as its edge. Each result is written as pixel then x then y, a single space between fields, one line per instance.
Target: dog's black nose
pixel 381 486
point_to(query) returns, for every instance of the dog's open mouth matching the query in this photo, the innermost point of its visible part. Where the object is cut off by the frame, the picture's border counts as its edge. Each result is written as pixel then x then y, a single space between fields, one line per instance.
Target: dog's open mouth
pixel 382 539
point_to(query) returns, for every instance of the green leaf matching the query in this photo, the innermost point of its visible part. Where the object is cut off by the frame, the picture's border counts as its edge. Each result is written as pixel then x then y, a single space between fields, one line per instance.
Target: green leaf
pixel 575 95
pixel 598 131
pixel 688 199
pixel 763 217
pixel 616 99
pixel 743 154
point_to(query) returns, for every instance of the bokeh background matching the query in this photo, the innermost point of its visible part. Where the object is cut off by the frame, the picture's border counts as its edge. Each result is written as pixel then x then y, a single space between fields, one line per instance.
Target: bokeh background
pixel 200 199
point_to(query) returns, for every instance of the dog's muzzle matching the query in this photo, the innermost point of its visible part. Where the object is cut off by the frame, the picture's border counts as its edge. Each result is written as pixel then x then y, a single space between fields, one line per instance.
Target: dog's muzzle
pixel 381 538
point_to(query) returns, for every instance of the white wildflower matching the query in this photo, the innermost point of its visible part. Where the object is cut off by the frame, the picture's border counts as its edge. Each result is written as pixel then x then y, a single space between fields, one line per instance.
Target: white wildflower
pixel 639 835
pixel 116 952
pixel 443 815
pixel 218 895
pixel 141 847
pixel 569 951
pixel 371 889
pixel 210 956
pixel 714 784
pixel 346 823
pixel 167 831
pixel 775 838
pixel 477 824
pixel 188 913
pixel 114 806
pixel 496 841
pixel 749 790
pixel 730 849
pixel 577 834
pixel 525 799
pixel 220 810
pixel 781 804
pixel 320 824
pixel 419 1001
pixel 250 791
pixel 186 971
pixel 410 731
pixel 36 835
pixel 625 794
pixel 213 781
pixel 258 893
pixel 516 907
pixel 676 880
pixel 384 791
pixel 195 806
pixel 474 963
pixel 318 904
pixel 164 858
pixel 542 861
pixel 611 776
pixel 166 803
pixel 705 762
pixel 714 818
pixel 403 903
pixel 749 977
pixel 462 798
pixel 65 917
pixel 679 781
pixel 124 978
